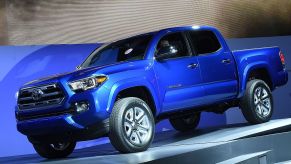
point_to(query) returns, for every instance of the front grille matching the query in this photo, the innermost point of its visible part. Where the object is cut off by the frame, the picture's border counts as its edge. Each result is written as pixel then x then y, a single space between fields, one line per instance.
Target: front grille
pixel 35 97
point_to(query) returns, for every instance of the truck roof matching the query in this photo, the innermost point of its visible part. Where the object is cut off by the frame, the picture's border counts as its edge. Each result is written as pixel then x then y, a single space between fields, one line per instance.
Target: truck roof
pixel 188 27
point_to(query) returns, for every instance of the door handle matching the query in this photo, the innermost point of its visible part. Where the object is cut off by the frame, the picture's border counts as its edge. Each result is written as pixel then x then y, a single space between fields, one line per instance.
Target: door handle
pixel 192 65
pixel 226 61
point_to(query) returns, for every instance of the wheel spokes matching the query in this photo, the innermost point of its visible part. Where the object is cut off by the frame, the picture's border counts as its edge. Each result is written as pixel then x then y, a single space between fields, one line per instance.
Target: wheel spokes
pixel 139 113
pixel 264 94
pixel 262 102
pixel 134 138
pixel 129 116
pixel 258 92
pixel 128 129
pixel 144 122
pixel 259 109
pixel 265 97
pixel 266 102
pixel 265 110
pixel 139 137
pixel 267 106
pixel 256 99
pixel 136 125
pixel 261 92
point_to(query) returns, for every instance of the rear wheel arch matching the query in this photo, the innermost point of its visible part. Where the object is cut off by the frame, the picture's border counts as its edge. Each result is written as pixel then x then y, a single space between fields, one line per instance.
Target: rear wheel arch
pixel 260 73
pixel 255 71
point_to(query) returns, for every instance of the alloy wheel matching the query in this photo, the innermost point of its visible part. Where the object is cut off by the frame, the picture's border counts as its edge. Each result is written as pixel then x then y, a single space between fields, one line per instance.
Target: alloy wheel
pixel 137 126
pixel 262 102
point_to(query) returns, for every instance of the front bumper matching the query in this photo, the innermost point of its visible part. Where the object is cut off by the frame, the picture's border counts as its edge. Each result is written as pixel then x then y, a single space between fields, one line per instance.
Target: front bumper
pixel 48 125
pixel 62 129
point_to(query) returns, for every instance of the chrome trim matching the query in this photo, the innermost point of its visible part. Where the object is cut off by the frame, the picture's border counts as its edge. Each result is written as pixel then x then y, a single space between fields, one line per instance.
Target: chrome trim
pixel 255 48
pixel 38 86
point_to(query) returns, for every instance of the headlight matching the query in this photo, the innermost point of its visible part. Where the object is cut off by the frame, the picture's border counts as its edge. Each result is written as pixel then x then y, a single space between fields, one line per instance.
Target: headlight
pixel 87 83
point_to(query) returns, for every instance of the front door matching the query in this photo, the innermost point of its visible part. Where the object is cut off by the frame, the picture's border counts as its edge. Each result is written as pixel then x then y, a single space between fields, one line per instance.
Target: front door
pixel 178 76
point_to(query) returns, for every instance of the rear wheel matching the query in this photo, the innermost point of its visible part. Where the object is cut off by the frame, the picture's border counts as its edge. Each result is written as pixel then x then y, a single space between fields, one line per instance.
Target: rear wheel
pixel 132 125
pixel 56 150
pixel 185 123
pixel 257 102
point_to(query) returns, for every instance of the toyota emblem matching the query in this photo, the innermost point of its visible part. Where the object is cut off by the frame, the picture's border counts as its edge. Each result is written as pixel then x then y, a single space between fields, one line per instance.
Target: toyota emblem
pixel 37 94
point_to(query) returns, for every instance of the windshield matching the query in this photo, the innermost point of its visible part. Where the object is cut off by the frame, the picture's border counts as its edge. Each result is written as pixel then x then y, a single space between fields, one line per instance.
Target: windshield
pixel 133 48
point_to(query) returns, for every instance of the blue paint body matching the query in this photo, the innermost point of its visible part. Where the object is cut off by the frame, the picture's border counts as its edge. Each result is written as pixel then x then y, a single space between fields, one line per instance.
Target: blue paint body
pixel 212 82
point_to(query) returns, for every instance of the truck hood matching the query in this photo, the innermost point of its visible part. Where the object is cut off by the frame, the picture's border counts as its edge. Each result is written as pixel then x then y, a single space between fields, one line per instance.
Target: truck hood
pixel 86 72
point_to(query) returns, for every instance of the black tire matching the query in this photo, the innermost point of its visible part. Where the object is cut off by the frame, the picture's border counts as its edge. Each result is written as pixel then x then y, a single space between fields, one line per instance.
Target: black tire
pixel 249 102
pixel 185 123
pixel 121 121
pixel 53 151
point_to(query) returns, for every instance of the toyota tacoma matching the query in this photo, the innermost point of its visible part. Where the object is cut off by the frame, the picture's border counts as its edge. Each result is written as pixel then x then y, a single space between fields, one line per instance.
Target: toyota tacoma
pixel 123 88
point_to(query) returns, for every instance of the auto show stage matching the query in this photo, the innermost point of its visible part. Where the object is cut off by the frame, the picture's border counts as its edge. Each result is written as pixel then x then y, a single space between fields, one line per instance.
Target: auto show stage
pixel 264 143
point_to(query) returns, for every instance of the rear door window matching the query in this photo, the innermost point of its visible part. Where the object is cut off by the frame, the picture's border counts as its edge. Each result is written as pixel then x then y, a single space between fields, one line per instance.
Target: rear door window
pixel 204 42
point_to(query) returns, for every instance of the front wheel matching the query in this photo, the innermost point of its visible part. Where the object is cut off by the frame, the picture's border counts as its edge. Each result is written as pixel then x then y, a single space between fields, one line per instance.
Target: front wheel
pixel 56 150
pixel 131 125
pixel 257 102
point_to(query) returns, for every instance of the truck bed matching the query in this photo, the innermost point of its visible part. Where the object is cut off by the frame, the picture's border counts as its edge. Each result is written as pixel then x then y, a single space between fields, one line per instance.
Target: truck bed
pixel 265 58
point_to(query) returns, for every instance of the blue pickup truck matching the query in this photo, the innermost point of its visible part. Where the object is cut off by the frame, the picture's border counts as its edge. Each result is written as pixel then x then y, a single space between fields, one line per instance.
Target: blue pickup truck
pixel 123 88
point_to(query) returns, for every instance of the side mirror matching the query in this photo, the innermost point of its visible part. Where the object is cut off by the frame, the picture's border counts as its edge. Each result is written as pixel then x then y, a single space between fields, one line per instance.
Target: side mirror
pixel 166 52
pixel 78 67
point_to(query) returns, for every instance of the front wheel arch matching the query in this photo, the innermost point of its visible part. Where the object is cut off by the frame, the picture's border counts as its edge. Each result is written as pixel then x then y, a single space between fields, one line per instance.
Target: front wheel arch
pixel 126 86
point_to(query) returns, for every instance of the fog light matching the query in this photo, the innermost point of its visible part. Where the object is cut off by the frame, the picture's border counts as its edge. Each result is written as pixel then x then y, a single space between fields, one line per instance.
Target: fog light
pixel 81 106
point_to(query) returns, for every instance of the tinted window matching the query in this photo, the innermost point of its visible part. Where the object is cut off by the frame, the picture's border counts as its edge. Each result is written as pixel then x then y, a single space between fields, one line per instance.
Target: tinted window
pixel 124 50
pixel 204 41
pixel 176 40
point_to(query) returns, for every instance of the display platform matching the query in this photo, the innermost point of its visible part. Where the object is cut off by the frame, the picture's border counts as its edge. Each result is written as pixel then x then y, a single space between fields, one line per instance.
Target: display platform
pixel 263 143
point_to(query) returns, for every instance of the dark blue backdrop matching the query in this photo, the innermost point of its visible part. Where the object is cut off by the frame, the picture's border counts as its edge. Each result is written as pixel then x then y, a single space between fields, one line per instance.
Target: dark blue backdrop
pixel 20 64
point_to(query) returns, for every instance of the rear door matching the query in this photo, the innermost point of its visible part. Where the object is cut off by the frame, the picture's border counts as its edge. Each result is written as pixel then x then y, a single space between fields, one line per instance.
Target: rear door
pixel 217 65
pixel 178 76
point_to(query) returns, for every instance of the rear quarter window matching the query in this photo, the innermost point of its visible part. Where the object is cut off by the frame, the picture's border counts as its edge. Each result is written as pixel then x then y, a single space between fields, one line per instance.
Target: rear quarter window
pixel 204 42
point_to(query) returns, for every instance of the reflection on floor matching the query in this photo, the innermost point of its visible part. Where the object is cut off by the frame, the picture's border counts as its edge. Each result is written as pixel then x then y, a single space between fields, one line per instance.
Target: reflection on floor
pixel 168 141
